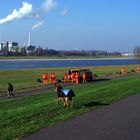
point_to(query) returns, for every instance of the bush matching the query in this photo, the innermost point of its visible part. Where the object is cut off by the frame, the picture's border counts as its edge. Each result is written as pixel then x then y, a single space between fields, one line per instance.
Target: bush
pixel 95 75
pixel 39 80
pixel 132 70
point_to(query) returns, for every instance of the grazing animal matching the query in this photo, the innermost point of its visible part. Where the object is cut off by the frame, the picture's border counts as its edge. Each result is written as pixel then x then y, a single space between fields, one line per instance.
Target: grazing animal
pixel 64 94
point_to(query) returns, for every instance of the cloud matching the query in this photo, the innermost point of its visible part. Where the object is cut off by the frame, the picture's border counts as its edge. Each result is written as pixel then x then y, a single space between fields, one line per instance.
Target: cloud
pixel 49 5
pixel 37 25
pixel 24 11
pixel 27 11
pixel 64 12
pixel 44 9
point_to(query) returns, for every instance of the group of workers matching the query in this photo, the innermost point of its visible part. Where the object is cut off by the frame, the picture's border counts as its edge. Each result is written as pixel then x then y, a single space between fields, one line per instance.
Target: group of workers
pixel 74 77
pixel 123 71
pixel 46 78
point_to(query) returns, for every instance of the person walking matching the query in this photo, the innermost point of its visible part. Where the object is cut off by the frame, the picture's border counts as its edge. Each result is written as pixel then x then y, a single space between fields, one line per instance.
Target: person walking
pixel 10 90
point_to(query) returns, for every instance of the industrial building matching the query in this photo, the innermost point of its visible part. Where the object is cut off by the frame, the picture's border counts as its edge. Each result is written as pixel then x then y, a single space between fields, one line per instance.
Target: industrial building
pixel 9 46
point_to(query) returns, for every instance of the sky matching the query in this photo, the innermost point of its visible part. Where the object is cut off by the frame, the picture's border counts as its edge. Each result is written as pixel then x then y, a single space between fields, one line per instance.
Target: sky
pixel 111 25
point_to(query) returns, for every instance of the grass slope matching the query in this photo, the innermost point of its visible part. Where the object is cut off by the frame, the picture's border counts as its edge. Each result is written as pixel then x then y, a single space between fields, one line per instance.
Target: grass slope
pixel 23 116
pixel 26 79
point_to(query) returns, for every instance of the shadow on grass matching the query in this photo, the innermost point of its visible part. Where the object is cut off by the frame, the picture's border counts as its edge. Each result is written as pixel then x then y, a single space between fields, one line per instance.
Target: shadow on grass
pixel 101 79
pixel 94 103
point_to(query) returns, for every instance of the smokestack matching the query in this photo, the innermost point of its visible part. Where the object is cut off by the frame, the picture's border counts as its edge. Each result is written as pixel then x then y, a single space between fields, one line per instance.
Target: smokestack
pixel 29 41
pixel 0 33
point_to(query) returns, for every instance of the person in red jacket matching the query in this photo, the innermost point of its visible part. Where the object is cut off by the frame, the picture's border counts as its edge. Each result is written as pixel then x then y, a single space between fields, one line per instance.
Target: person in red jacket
pixel 77 78
pixel 73 77
pixel 52 78
pixel 123 72
pixel 138 69
pixel 65 78
pixel 84 77
pixel 45 78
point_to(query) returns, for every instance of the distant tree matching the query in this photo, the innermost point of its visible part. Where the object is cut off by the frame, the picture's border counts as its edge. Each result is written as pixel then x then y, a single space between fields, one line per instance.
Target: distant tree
pixel 136 52
pixel 39 51
pixel 23 51
pixel 5 50
pixel 52 52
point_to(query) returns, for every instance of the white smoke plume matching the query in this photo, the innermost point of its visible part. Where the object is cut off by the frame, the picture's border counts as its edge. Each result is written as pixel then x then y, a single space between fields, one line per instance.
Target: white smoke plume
pixel 37 25
pixel 49 5
pixel 24 11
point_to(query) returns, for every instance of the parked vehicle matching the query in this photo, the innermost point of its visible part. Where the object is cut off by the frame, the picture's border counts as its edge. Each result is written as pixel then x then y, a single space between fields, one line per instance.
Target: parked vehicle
pixel 89 74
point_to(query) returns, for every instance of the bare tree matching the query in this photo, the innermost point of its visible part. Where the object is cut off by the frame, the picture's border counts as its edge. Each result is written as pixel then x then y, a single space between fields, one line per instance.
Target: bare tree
pixel 136 52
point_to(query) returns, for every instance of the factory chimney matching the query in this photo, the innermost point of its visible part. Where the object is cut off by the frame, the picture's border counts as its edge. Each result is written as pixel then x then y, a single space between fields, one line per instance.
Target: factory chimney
pixel 29 41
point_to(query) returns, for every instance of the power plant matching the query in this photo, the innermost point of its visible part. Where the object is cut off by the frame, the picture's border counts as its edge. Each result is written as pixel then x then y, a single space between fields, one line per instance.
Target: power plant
pixel 14 46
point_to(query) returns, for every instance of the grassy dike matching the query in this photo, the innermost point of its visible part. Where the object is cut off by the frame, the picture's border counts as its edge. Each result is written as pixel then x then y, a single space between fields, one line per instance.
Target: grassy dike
pixel 26 79
pixel 22 116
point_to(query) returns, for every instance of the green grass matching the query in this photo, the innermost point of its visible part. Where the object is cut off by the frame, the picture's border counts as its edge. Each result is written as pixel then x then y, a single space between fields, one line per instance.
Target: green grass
pixel 26 79
pixel 23 116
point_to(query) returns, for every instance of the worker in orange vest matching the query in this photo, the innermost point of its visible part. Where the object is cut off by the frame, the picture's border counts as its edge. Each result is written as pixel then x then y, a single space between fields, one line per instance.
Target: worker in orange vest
pixel 123 72
pixel 73 77
pixel 65 78
pixel 77 78
pixel 84 77
pixel 138 69
pixel 52 78
pixel 45 78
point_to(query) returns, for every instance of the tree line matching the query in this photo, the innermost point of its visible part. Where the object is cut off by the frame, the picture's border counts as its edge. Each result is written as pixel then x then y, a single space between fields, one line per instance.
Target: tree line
pixel 40 51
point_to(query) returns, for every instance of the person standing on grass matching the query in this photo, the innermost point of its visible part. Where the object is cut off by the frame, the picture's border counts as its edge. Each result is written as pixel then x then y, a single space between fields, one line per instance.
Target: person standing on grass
pixel 65 78
pixel 10 90
pixel 84 77
pixel 138 69
pixel 123 72
pixel 45 78
pixel 52 78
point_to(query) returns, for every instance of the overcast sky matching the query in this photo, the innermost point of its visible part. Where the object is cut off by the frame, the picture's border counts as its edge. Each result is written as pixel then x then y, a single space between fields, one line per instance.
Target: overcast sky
pixel 112 25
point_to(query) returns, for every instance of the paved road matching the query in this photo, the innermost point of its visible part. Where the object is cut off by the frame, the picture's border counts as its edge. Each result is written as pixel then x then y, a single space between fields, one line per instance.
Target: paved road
pixel 118 121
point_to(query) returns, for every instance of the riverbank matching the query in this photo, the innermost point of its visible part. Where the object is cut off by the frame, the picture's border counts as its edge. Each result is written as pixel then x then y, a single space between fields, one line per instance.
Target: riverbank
pixel 24 80
pixel 31 59
pixel 61 58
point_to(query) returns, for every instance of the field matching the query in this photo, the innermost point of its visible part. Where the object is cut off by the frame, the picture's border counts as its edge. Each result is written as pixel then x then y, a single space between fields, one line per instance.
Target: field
pixel 27 79
pixel 24 115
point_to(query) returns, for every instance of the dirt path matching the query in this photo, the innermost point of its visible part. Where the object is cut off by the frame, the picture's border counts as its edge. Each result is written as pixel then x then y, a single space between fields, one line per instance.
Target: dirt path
pixel 49 88
pixel 42 90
